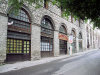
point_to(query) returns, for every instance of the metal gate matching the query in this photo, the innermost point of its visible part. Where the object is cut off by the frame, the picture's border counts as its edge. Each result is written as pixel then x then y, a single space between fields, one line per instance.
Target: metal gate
pixel 18 50
pixel 63 47
pixel 46 46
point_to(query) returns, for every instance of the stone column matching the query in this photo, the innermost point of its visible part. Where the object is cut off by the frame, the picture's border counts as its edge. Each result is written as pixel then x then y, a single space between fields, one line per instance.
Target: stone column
pixel 35 42
pixel 56 43
pixel 3 37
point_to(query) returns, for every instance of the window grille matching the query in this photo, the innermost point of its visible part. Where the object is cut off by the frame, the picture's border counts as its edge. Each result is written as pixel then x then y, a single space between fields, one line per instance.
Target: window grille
pixel 46 44
pixel 21 20
pixel 16 46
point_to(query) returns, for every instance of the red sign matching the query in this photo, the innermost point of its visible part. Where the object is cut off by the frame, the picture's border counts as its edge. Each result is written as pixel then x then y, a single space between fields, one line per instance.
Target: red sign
pixel 63 37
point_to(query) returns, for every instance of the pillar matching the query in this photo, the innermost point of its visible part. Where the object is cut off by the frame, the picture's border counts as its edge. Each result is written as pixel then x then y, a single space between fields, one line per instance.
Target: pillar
pixel 3 36
pixel 56 43
pixel 35 42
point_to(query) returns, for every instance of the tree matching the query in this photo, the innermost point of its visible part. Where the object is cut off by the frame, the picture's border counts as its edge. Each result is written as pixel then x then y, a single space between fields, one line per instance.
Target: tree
pixel 17 4
pixel 83 9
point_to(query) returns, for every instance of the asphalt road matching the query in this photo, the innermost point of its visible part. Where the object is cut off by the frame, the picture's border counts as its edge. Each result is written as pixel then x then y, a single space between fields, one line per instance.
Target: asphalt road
pixel 85 64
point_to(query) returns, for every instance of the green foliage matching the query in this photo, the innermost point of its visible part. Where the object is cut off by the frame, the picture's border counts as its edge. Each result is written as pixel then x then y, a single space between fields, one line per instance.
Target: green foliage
pixel 54 2
pixel 17 4
pixel 83 9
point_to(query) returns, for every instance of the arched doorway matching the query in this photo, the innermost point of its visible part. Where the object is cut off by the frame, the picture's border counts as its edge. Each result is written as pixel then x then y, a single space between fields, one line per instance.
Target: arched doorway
pixel 91 38
pixel 63 40
pixel 47 37
pixel 74 42
pixel 80 41
pixel 19 36
pixel 88 38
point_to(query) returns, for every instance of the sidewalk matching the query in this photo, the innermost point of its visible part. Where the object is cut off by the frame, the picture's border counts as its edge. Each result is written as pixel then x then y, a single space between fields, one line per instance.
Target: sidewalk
pixel 24 64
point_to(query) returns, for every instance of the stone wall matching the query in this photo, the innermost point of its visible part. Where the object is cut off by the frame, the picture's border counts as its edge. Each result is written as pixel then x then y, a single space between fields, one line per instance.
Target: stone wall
pixel 36 16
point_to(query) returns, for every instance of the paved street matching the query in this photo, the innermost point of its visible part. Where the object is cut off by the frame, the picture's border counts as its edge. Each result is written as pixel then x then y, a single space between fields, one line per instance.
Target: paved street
pixel 85 64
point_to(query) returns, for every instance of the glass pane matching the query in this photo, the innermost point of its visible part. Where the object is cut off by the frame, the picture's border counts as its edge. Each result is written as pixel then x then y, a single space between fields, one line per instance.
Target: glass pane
pixel 16 46
pixel 46 24
pixel 24 51
pixel 62 30
pixel 20 16
pixel 27 42
pixel 27 51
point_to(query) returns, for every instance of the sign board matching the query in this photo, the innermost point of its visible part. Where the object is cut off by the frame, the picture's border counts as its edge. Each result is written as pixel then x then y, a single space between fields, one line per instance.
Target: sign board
pixel 63 37
pixel 70 39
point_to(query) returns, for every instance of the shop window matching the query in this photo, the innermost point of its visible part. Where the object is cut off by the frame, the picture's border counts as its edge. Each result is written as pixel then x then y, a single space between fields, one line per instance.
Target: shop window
pixel 15 46
pixel 46 40
pixel 46 44
pixel 47 32
pixel 18 35
pixel 62 41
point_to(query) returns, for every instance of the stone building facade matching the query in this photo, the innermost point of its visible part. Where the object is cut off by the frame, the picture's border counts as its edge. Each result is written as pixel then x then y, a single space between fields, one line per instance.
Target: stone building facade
pixel 47 33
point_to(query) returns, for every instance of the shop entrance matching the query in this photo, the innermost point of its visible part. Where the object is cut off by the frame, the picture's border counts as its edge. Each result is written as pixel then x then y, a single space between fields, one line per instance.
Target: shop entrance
pixel 63 47
pixel 47 35
pixel 18 37
pixel 63 40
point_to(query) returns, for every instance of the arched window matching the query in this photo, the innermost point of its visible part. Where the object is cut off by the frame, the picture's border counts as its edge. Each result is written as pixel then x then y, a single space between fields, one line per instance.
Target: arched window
pixel 20 20
pixel 47 27
pixel 47 32
pixel 73 33
pixel 22 15
pixel 46 23
pixel 19 34
pixel 62 30
pixel 80 36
